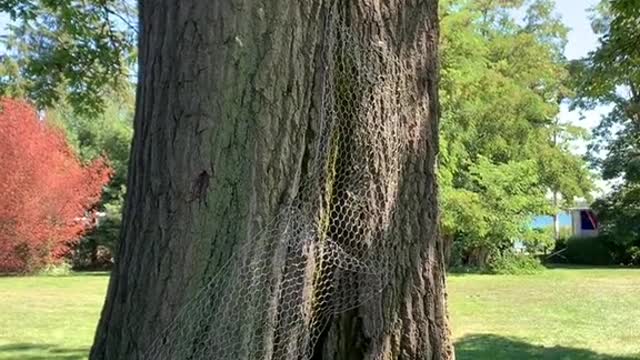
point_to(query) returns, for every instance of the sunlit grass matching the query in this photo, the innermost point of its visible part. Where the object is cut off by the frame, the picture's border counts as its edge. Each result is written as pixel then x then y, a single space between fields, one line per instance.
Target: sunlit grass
pixel 560 314
pixel 49 317
pixel 573 313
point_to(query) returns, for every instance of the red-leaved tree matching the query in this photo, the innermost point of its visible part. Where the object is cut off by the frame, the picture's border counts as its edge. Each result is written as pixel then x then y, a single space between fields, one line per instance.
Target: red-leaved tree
pixel 46 193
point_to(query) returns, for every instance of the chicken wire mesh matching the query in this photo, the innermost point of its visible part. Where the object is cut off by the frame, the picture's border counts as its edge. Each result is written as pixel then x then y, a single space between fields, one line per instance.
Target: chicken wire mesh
pixel 325 253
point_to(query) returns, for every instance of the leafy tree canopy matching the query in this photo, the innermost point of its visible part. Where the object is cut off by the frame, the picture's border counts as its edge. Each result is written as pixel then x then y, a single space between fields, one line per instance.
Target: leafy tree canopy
pixel 76 51
pixel 502 146
pixel 611 75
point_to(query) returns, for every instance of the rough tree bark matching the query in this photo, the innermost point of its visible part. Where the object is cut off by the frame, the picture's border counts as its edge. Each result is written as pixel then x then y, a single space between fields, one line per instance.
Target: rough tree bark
pixel 227 95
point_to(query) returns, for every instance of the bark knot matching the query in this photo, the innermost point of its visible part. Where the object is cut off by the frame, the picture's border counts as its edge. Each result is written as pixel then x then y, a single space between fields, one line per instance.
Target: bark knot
pixel 201 188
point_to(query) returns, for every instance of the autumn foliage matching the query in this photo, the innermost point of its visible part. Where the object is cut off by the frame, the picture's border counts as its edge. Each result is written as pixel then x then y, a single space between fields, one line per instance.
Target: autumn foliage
pixel 46 193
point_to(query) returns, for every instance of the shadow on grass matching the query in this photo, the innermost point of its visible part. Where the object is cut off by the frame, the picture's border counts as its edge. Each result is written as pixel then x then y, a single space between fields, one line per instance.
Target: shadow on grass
pixel 587 267
pixel 25 351
pixel 492 347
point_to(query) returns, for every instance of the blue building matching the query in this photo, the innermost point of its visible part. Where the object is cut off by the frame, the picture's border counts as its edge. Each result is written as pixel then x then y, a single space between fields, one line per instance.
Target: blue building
pixel 582 221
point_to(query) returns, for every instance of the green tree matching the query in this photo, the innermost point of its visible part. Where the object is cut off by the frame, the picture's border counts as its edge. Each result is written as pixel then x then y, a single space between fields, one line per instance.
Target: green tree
pixel 72 51
pixel 610 75
pixel 106 134
pixel 502 148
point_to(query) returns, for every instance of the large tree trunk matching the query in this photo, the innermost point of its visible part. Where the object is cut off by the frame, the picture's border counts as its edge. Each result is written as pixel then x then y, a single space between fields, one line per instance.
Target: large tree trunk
pixel 321 113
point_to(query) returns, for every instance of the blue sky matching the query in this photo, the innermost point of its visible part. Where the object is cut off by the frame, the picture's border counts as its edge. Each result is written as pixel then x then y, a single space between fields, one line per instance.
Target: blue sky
pixel 581 38
pixel 3 22
pixel 581 41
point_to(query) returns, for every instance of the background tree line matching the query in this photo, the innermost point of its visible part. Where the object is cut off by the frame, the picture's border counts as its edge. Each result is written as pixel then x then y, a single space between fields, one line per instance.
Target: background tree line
pixel 610 75
pixel 504 153
pixel 73 60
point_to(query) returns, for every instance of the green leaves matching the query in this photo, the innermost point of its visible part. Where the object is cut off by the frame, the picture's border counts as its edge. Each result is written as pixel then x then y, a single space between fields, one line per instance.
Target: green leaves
pixel 107 134
pixel 502 149
pixel 611 75
pixel 77 51
pixel 497 203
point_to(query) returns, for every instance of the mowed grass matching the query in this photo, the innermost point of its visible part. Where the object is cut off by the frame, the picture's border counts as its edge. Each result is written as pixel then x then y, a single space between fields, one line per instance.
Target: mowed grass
pixel 52 318
pixel 561 314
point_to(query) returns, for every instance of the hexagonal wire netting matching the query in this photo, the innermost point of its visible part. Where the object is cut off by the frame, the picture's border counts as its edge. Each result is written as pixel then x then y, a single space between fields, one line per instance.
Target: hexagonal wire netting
pixel 326 252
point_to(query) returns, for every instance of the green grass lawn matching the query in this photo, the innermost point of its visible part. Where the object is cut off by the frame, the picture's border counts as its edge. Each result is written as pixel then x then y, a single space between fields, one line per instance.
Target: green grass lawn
pixel 49 318
pixel 561 314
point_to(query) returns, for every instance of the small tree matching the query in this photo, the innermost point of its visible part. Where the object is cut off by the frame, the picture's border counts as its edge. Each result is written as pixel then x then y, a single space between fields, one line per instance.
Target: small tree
pixel 46 192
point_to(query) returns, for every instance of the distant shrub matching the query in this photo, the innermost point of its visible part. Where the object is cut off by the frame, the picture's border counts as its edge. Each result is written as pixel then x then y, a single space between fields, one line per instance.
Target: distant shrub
pixel 634 255
pixel 538 241
pixel 511 263
pixel 60 269
pixel 590 251
pixel 89 256
pixel 462 269
pixel 600 250
pixel 96 250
